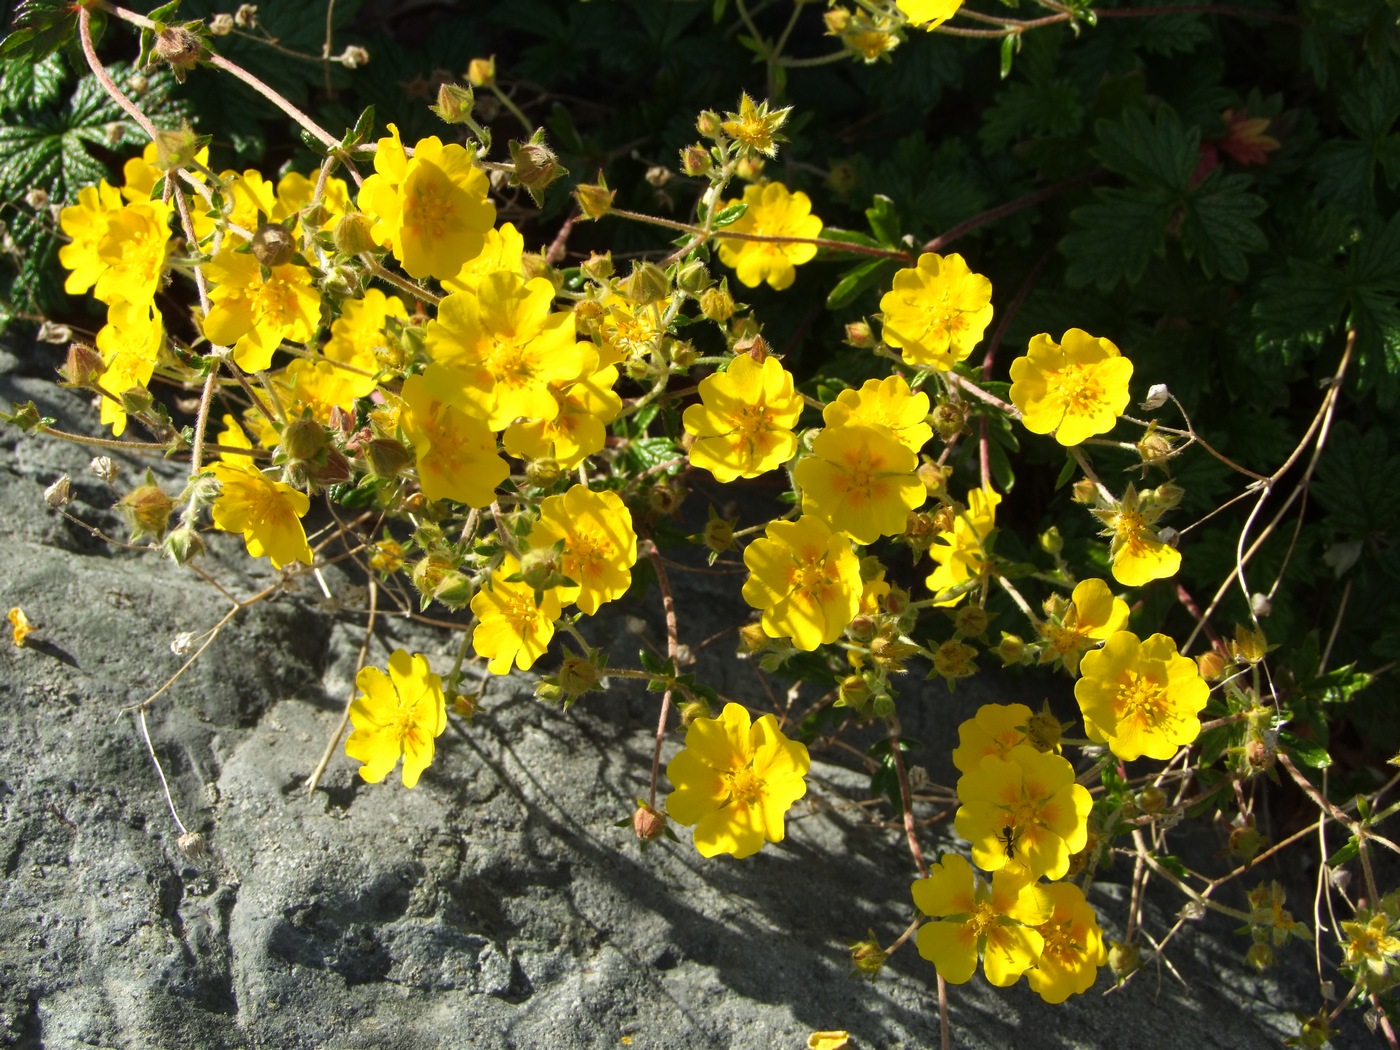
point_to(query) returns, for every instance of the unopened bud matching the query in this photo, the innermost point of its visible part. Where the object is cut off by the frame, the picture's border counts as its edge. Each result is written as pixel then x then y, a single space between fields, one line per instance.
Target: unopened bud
pixel 182 545
pixel 696 160
pixel 84 365
pixel 466 705
pixel 752 639
pixel 1211 665
pixel 837 20
pixel 859 335
pixel 1123 959
pixel 896 602
pixel 598 268
pixel 1260 955
pixel 273 244
pixel 690 710
pixel 867 957
pixel 594 199
pixel 709 124
pixel 304 439
pixel 481 72
pixel 454 103
pixel 647 283
pixel 352 234
pixel 716 304
pixel 147 511
pixel 136 401
pixel 179 47
pixel 648 823
pixel 543 472
pixel 1084 491
pixel 694 277
pixel 971 621
pixel 1152 800
pixel 854 691
pixel 1011 649
pixel 536 166
pixel 177 147
pixel 1051 541
pixel 750 168
pixel 387 457
pixel 1157 396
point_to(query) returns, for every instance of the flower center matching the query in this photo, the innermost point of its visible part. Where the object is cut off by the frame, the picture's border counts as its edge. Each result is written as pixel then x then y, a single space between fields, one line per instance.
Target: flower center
pixel 752 420
pixel 1142 698
pixel 744 786
pixel 1076 387
pixel 429 209
pixel 1059 942
pixel 983 918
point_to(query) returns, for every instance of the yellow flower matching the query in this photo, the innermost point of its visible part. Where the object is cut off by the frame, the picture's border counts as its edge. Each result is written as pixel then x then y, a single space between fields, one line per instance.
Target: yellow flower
pixel 295 193
pixel 580 427
pixel 507 348
pixel 972 918
pixel 928 13
pixel 245 196
pixel 358 336
pixel 1138 556
pixel 962 554
pixel 744 422
pixel 734 781
pixel 1140 697
pixel 431 210
pixel 755 127
pixel 130 344
pixel 1370 939
pixel 600 547
pixel 133 250
pixel 806 579
pixel 1073 389
pixel 322 385
pixel 267 512
pixel 936 312
pixel 631 332
pixel 861 480
pixel 20 627
pixel 1023 813
pixel 86 224
pixel 832 1040
pixel 502 251
pixel 1093 615
pixel 1074 948
pixel 396 715
pixel 513 627
pixel 884 403
pixel 254 314
pixel 234 436
pixel 456 452
pixel 994 730
pixel 773 212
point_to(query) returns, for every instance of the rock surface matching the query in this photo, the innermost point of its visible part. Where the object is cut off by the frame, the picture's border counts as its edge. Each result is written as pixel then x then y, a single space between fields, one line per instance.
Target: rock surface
pixel 496 905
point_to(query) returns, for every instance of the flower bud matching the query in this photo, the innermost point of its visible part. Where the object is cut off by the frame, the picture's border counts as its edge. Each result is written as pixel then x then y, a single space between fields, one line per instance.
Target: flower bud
pixel 648 823
pixel 647 283
pixel 544 472
pixel 1157 396
pixel 1249 646
pixel 387 457
pixel 862 628
pixel 534 264
pixel 1260 955
pixel 352 234
pixel 466 705
pixel 221 25
pixel 330 468
pixel 594 200
pixel 1051 541
pixel 696 160
pixel 84 365
pixel 935 479
pixel 1152 800
pixel 536 166
pixel 859 335
pixel 837 19
pixel 716 304
pixel 147 511
pixel 179 47
pixel 752 639
pixel 182 545
pixel 303 439
pixel 1211 665
pixel 481 72
pixel 177 147
pixel 454 103
pixel 709 124
pixel 854 692
pixel 867 957
pixel 971 621
pixel 896 603
pixel 719 534
pixel 1123 959
pixel 693 709
pixel 273 244
pixel 694 277
pixel 598 268
pixel 428 573
pixel 1011 649
pixel 454 591
pixel 1084 491
pixel 136 401
pixel 588 313
pixel 543 568
pixel 948 420
pixel 750 168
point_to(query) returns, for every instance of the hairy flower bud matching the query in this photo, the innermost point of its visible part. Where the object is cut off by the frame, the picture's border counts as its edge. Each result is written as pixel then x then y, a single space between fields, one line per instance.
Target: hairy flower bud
pixel 481 72
pixel 179 47
pixel 598 268
pixel 1123 958
pixel 273 244
pixel 182 545
pixel 84 365
pixel 648 823
pixel 454 103
pixel 859 335
pixel 647 283
pixel 696 160
pixel 867 957
pixel 147 511
pixel 1011 649
pixel 543 472
pixel 387 457
pixel 716 304
pixel 352 234
pixel 709 124
pixel 595 200
pixel 536 166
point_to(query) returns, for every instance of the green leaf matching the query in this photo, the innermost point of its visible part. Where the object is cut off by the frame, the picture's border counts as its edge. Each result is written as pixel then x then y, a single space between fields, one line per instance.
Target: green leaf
pixel 1349 852
pixel 884 220
pixel 730 215
pixel 1153 153
pixel 1218 228
pixel 1043 107
pixel 1309 752
pixel 41 28
pixel 832 233
pixel 1116 238
pixel 30 85
pixel 1010 44
pixel 853 282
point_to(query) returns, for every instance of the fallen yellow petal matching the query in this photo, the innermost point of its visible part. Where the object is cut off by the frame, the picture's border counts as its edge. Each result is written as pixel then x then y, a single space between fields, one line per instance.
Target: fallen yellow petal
pixel 828 1041
pixel 20 622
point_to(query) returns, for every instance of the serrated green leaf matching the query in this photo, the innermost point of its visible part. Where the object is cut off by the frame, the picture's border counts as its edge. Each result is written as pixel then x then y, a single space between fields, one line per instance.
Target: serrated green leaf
pixel 1116 238
pixel 1218 228
pixel 30 85
pixel 647 453
pixel 1044 107
pixel 1309 752
pixel 41 28
pixel 730 215
pixel 1150 152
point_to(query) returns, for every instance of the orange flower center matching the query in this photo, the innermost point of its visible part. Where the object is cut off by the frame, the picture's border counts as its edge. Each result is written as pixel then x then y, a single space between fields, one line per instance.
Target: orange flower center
pixel 1076 387
pixel 1059 943
pixel 429 211
pixel 752 420
pixel 983 918
pixel 744 786
pixel 1141 698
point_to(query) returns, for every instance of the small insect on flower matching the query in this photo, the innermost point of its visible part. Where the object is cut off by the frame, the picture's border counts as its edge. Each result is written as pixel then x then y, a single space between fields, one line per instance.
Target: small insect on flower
pixel 1008 841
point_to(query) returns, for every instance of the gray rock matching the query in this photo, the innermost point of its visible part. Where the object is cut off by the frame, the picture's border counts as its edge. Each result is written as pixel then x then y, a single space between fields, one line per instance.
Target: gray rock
pixel 494 906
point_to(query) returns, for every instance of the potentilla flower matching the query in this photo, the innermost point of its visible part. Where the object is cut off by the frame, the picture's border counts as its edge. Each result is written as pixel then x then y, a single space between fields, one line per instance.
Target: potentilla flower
pixel 1023 813
pixel 1094 614
pixel 937 311
pixel 773 212
pixel 973 918
pixel 245 195
pixel 1371 941
pixel 86 224
pixel 599 549
pixel 928 14
pixel 743 424
pixel 580 427
pixel 994 730
pixel 133 250
pixel 358 336
pixel 396 715
pixel 886 403
pixel 432 211
pixel 456 452
pixel 267 512
pixel 754 126
pixel 507 348
pixel 501 252
pixel 296 191
pixel 1074 947
pixel 130 344
pixel 254 314
pixel 1073 389
pixel 513 627
pixel 735 780
pixel 1140 697
pixel 631 332
pixel 806 579
pixel 860 480
pixel 1138 556
pixel 962 554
